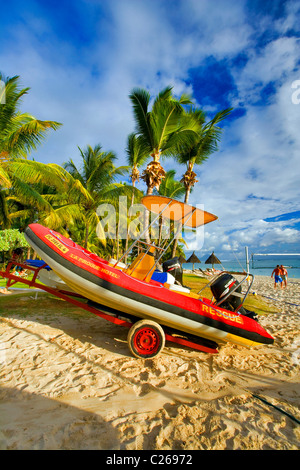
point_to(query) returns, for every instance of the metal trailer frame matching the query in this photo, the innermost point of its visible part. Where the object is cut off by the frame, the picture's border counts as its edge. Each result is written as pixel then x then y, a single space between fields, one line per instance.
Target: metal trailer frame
pixel 117 319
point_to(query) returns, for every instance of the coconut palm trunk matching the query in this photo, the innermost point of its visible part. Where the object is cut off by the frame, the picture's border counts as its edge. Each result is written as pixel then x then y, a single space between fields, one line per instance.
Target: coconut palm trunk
pixel 153 175
pixel 189 180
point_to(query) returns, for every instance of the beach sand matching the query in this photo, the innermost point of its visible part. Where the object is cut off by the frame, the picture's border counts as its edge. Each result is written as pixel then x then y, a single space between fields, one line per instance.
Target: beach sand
pixel 69 382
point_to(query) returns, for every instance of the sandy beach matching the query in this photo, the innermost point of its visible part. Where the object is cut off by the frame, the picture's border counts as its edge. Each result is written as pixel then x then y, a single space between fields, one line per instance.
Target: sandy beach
pixel 69 382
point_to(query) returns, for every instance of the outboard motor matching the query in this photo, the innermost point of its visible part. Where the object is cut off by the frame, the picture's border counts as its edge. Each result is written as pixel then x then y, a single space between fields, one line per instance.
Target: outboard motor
pixel 222 286
pixel 173 267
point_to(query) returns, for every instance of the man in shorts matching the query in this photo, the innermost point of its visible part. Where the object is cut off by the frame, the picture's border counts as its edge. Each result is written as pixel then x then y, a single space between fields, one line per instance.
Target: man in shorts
pixel 277 274
pixel 284 275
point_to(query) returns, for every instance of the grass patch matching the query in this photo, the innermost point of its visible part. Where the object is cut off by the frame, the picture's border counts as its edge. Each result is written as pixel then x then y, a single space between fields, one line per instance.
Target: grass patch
pixel 195 283
pixel 20 285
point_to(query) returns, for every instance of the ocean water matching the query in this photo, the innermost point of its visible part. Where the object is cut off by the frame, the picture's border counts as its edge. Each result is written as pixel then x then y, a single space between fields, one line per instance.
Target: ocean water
pixel 260 265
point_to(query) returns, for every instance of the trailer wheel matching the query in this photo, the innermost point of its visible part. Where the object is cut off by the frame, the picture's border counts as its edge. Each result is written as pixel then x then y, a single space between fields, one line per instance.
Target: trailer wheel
pixel 146 339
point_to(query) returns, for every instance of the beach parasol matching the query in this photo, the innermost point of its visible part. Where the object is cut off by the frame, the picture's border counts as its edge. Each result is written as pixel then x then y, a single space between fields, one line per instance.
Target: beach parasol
pixel 182 259
pixel 193 259
pixel 212 259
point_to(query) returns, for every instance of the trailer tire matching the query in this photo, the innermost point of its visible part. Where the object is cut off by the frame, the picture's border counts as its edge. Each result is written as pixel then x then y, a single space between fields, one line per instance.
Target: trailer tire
pixel 146 339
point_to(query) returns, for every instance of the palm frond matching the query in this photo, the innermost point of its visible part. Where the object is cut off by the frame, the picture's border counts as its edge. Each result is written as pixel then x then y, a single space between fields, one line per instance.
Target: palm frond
pixel 25 133
pixel 21 214
pixel 137 151
pixel 29 195
pixel 13 96
pixel 35 172
pixel 71 168
pixel 77 190
pixel 200 143
pixel 4 178
pixel 170 187
pixel 66 214
pixel 115 190
pixel 140 100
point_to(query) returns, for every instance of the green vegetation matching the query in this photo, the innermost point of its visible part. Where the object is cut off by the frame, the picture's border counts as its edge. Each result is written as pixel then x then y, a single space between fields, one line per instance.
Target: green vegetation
pixel 195 283
pixel 11 239
pixel 3 282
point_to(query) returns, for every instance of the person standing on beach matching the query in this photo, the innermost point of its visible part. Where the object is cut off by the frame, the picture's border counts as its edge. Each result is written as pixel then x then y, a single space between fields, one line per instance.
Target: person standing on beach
pixel 17 257
pixel 277 272
pixel 284 275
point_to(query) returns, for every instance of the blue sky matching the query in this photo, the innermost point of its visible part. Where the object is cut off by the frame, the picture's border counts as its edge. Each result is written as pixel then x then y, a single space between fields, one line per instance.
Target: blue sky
pixel 82 59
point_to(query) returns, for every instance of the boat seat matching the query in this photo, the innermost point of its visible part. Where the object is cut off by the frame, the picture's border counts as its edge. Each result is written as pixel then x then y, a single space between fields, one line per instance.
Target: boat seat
pixel 143 266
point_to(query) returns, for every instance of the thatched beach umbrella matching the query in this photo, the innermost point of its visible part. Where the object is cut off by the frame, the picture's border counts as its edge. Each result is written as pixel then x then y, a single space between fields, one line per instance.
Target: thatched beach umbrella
pixel 212 259
pixel 182 259
pixel 193 259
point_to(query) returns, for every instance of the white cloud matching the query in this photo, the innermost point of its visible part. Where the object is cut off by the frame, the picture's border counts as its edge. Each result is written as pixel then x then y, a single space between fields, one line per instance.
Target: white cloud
pixel 278 236
pixel 219 30
pixel 272 64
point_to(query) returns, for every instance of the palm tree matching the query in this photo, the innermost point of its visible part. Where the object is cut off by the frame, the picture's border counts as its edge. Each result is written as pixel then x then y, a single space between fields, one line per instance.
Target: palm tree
pixel 137 155
pixel 67 201
pixel 20 133
pixel 97 175
pixel 161 130
pixel 205 144
pixel 22 176
pixel 43 192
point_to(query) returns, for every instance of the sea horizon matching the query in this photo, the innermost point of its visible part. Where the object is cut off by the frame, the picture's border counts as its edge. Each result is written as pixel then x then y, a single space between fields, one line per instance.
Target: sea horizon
pixel 261 265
